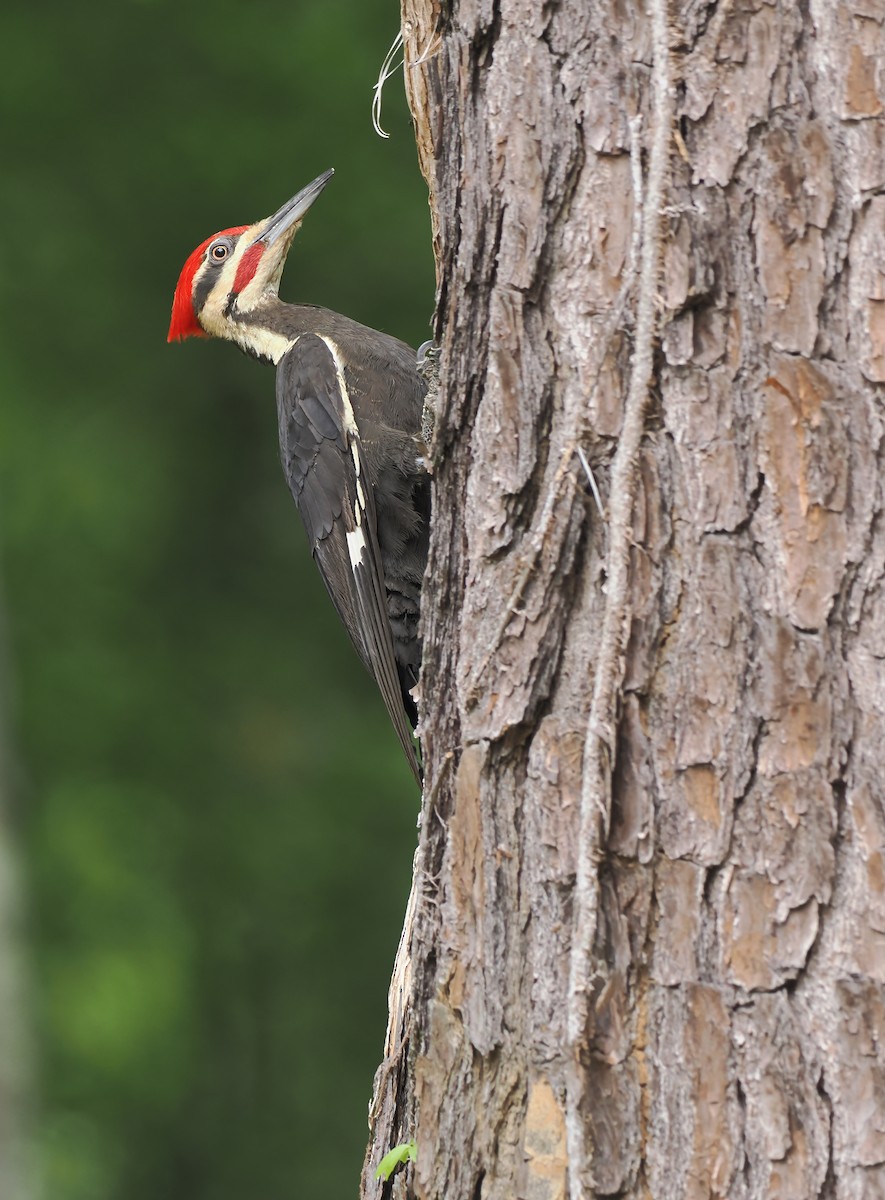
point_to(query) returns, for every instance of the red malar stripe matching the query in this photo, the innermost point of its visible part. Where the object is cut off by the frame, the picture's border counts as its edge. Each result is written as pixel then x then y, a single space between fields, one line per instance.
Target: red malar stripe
pixel 248 266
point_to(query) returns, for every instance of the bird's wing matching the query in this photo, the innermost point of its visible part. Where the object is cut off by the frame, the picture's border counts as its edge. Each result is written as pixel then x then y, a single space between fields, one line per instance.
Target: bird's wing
pixel 326 472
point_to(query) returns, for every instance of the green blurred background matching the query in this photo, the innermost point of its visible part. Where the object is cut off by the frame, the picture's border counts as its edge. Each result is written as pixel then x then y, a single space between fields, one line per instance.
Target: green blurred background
pixel 214 822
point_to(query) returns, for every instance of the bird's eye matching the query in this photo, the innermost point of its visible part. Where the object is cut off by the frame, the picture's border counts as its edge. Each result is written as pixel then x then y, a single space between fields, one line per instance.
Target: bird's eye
pixel 218 252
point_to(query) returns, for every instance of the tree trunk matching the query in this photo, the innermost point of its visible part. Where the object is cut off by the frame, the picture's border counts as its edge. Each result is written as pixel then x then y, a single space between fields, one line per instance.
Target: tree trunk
pixel 646 951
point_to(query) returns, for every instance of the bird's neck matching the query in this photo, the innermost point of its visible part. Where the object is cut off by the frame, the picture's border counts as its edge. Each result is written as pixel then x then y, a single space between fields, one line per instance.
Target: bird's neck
pixel 267 331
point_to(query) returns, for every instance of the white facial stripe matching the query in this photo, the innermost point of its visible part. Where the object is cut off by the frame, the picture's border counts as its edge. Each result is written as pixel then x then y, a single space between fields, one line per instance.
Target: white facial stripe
pixel 265 282
pixel 224 279
pixel 262 341
pixel 212 316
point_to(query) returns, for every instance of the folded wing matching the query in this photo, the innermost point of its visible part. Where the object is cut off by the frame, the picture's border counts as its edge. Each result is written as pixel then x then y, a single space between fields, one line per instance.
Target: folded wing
pixel 326 471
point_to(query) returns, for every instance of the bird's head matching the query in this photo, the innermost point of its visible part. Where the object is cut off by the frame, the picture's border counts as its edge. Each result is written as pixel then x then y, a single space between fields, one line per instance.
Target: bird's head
pixel 235 272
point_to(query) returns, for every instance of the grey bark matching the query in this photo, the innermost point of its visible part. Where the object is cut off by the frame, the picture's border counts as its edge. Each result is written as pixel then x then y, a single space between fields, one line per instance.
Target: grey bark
pixel 734 1042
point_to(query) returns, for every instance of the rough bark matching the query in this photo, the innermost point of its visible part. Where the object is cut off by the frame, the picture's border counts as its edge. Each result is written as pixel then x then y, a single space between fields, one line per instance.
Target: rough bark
pixel 732 1039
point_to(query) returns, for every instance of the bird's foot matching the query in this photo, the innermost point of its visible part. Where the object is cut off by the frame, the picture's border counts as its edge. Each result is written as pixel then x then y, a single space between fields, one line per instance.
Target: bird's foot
pixel 427 364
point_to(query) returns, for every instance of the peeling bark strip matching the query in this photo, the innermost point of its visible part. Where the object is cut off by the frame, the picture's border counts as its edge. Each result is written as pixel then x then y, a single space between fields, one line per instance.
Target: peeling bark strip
pixel 732 1040
pixel 600 742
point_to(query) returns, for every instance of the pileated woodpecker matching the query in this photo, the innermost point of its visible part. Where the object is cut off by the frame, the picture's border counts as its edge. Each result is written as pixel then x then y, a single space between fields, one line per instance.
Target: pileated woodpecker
pixel 349 401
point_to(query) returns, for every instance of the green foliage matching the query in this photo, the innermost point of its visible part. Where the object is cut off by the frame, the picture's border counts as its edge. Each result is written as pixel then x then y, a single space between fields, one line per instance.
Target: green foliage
pixel 207 779
pixel 403 1153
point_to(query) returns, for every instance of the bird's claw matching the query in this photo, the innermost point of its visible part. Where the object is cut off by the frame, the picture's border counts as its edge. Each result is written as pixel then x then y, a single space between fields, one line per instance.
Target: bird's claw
pixel 427 365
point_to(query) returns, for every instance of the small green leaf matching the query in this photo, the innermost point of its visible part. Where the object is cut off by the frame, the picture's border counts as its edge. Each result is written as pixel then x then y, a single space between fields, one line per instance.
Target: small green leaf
pixel 405 1152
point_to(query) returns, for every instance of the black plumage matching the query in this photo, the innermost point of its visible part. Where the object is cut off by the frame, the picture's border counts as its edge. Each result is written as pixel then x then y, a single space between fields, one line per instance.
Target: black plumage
pixel 361 489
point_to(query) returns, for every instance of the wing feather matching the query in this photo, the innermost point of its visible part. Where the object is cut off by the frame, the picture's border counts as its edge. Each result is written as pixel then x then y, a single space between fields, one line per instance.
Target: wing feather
pixel 325 468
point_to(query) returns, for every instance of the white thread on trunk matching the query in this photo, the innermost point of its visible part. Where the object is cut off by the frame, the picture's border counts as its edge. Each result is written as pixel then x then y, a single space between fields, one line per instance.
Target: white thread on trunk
pixel 387 69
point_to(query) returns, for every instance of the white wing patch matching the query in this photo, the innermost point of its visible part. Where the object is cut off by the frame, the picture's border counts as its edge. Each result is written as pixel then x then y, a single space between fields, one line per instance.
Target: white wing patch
pixel 356 544
pixel 349 418
pixel 360 508
pixel 356 538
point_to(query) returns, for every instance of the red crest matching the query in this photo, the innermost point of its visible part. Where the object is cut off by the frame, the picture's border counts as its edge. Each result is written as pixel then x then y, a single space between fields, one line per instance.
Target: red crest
pixel 184 321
